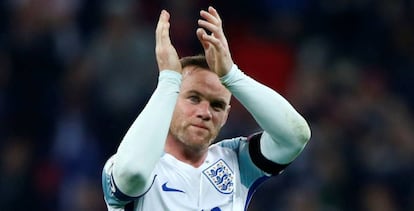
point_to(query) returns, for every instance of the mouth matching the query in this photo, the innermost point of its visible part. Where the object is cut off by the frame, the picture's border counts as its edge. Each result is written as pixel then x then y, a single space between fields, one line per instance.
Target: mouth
pixel 200 126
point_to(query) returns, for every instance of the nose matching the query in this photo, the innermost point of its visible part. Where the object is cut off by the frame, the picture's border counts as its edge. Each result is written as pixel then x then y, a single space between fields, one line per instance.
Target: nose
pixel 203 111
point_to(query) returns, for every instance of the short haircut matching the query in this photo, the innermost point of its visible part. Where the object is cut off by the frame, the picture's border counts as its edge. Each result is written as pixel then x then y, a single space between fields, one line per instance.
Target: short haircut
pixel 197 60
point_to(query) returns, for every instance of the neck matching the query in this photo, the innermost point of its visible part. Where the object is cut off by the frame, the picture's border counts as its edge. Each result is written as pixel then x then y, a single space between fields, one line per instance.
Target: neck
pixel 187 154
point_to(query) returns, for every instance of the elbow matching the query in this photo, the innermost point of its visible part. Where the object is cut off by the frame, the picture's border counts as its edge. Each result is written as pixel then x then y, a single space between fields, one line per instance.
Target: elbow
pixel 285 147
pixel 303 133
pixel 297 142
pixel 297 131
pixel 130 181
pixel 129 177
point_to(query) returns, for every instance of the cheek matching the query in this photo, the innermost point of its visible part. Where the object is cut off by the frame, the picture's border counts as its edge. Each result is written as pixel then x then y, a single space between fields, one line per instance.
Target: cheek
pixel 223 117
pixel 179 116
pixel 219 121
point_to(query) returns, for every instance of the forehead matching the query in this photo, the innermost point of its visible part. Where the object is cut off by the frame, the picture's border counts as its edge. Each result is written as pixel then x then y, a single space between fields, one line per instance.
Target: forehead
pixel 203 81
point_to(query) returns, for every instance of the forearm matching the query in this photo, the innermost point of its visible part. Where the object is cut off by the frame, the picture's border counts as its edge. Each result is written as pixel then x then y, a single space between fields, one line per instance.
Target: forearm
pixel 143 144
pixel 285 130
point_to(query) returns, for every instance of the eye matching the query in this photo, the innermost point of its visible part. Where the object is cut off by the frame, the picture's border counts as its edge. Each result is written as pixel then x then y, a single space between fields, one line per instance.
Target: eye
pixel 194 98
pixel 218 106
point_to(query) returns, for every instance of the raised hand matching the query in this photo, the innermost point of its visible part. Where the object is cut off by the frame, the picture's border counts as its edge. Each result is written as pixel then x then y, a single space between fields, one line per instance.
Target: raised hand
pixel 167 57
pixel 215 45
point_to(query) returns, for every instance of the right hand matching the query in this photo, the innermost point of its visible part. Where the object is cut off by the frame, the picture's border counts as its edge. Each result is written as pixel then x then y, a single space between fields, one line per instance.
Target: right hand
pixel 167 57
pixel 215 44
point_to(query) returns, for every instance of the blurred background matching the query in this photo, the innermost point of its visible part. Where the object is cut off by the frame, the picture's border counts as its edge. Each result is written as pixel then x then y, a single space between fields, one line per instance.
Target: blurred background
pixel 74 74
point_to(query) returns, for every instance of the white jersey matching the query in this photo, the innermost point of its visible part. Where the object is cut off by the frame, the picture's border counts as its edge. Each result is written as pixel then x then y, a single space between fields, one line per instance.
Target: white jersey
pixel 225 181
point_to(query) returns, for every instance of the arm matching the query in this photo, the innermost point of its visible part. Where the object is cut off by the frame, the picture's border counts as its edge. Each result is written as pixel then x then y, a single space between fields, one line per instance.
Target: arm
pixel 286 132
pixel 143 144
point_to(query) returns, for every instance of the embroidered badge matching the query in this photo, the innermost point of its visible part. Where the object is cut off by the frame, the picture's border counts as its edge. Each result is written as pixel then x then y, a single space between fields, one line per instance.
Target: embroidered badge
pixel 221 176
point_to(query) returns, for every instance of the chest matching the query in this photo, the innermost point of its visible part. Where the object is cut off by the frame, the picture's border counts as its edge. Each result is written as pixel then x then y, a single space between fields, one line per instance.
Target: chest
pixel 177 186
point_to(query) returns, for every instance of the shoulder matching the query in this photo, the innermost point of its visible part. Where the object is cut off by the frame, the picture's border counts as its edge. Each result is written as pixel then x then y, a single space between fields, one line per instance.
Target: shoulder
pixel 238 143
pixel 249 152
pixel 231 144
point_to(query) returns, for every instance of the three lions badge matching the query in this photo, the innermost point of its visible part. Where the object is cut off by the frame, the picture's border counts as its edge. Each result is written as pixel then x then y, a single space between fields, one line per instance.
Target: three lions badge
pixel 221 176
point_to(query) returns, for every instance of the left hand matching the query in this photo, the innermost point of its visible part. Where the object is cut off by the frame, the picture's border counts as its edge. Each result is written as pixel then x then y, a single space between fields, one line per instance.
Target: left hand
pixel 215 45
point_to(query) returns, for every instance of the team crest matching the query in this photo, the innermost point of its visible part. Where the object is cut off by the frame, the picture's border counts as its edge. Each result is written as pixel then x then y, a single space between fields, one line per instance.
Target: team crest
pixel 221 176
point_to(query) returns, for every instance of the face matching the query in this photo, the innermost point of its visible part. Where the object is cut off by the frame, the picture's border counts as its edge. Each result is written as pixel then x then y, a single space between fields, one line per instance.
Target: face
pixel 202 108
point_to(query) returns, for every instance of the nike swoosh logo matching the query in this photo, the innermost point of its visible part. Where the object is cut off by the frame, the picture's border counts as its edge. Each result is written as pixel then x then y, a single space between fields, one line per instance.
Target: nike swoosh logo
pixel 168 189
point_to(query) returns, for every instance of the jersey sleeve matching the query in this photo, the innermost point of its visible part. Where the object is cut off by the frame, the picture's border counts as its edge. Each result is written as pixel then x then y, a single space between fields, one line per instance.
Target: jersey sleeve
pixel 252 163
pixel 111 192
pixel 143 144
pixel 285 131
pixel 114 198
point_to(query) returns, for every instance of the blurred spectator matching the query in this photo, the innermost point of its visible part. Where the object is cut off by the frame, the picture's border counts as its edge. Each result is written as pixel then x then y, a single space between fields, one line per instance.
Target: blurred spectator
pixel 122 60
pixel 75 148
pixel 5 70
pixel 16 168
pixel 378 197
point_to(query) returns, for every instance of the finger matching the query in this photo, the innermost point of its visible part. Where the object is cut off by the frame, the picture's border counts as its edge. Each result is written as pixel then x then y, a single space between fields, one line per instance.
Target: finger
pixel 165 32
pixel 206 39
pixel 163 26
pixel 200 34
pixel 214 12
pixel 209 26
pixel 212 18
pixel 159 26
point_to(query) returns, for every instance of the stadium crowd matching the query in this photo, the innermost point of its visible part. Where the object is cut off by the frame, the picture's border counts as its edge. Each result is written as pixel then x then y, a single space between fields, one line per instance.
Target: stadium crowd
pixel 75 73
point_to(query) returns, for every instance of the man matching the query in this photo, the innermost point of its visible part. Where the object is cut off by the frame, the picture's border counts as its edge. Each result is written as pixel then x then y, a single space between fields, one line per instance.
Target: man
pixel 166 160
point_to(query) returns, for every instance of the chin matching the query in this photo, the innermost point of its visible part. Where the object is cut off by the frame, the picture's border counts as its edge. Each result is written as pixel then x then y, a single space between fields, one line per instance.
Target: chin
pixel 198 145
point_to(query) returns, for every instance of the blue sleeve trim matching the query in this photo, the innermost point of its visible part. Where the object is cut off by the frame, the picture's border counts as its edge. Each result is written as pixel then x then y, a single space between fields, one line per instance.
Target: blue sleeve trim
pixel 113 196
pixel 123 197
pixel 253 189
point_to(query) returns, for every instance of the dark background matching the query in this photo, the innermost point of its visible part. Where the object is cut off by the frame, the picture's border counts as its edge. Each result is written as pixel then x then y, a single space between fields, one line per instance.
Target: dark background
pixel 74 74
